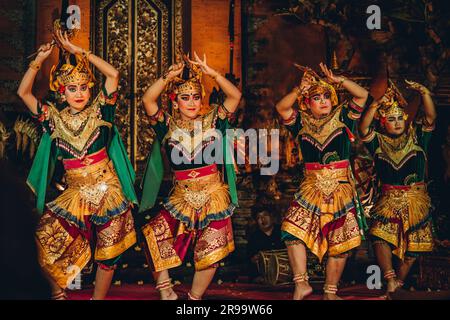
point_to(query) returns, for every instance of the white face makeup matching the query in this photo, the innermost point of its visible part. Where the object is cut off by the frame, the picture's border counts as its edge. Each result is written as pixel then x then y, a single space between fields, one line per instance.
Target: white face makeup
pixel 320 104
pixel 189 104
pixel 77 95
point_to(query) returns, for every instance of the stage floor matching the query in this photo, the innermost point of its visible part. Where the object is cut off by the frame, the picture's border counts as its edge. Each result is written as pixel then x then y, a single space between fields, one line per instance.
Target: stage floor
pixel 227 291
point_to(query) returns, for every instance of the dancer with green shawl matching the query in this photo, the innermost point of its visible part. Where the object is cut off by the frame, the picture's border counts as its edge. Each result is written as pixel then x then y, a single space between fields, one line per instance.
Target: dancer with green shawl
pixel 199 208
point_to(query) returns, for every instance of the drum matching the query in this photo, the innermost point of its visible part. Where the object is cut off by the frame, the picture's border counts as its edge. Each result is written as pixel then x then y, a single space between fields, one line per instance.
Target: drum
pixel 279 271
pixel 274 266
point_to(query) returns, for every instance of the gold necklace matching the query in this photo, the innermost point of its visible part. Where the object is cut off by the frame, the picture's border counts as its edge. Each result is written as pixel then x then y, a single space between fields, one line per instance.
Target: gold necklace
pixel 75 122
pixel 321 129
pixel 397 151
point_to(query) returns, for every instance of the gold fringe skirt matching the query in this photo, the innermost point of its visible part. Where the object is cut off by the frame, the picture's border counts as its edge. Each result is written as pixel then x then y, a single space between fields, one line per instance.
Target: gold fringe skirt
pixel 94 191
pixel 198 201
pixel 323 213
pixel 401 217
pixel 92 203
pixel 198 212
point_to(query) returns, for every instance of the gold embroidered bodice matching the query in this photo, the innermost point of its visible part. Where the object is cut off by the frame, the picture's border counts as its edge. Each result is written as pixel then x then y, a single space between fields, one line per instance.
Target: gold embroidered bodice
pixel 189 134
pixel 398 150
pixel 323 129
pixel 77 131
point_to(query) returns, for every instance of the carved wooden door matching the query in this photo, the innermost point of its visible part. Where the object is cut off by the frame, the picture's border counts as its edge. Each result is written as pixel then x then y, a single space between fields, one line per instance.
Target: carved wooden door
pixel 138 37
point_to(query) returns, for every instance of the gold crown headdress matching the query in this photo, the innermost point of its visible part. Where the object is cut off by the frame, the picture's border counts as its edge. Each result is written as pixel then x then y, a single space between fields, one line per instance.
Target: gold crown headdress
pixel 69 73
pixel 190 80
pixel 75 68
pixel 395 104
pixel 318 86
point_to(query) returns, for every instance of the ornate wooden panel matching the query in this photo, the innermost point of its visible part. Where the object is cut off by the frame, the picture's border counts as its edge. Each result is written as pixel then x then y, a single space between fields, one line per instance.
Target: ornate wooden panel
pixel 138 37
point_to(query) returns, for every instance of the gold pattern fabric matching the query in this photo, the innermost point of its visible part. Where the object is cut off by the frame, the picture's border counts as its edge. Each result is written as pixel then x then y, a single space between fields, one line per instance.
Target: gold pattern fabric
pixel 213 245
pixel 402 219
pixel 343 236
pixel 321 130
pixel 167 248
pixel 197 198
pixel 65 250
pixel 397 151
pixel 92 190
pixel 323 212
pixel 116 238
pixel 187 132
pixel 76 131
pixel 159 239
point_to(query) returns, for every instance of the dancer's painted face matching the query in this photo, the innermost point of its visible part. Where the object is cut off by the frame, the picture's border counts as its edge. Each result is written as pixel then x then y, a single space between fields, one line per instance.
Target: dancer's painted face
pixel 320 104
pixel 190 103
pixel 395 125
pixel 77 95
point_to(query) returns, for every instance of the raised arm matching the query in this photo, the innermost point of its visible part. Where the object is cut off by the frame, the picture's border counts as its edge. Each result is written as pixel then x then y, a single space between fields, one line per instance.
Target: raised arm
pixel 428 104
pixel 368 115
pixel 285 106
pixel 26 85
pixel 359 93
pixel 233 95
pixel 111 73
pixel 150 98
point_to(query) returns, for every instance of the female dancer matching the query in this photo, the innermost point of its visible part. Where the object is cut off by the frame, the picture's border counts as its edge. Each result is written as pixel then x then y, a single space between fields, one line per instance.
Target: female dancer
pixel 200 206
pixel 401 215
pixel 98 173
pixel 325 215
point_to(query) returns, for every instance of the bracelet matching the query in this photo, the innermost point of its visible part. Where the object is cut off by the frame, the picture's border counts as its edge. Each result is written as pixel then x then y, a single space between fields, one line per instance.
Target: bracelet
pixel 298 91
pixel 342 81
pixel 164 78
pixel 34 65
pixel 425 92
pixel 86 54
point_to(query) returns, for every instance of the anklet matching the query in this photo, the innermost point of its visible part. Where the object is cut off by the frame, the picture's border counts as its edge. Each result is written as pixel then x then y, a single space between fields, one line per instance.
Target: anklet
pixel 193 297
pixel 164 285
pixel 330 288
pixel 301 277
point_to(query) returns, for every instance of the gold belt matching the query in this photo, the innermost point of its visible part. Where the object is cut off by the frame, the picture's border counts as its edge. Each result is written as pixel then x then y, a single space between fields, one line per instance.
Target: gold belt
pixel 197 192
pixel 398 198
pixel 93 182
pixel 327 180
pixel 90 175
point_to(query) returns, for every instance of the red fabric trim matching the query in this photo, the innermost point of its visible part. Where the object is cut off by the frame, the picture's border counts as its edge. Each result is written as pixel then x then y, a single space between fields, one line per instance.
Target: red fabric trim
pixel 387 187
pixel 195 173
pixel 87 161
pixel 334 165
pixel 336 224
pixel 355 107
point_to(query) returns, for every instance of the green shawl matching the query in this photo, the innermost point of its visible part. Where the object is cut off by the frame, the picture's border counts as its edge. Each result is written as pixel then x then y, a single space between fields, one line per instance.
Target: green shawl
pixel 43 167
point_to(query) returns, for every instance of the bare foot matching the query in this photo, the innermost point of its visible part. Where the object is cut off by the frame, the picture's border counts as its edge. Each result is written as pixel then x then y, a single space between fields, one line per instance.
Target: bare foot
pixel 302 290
pixel 168 294
pixel 331 296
